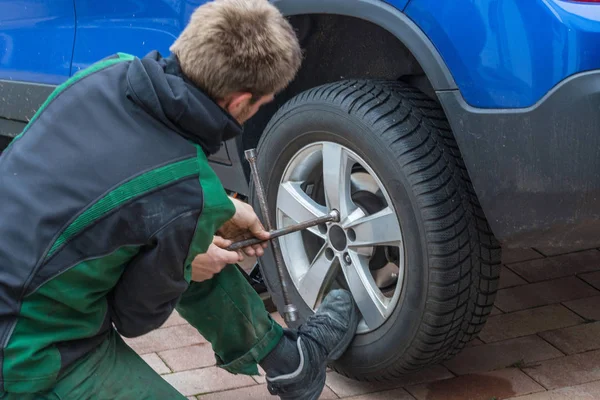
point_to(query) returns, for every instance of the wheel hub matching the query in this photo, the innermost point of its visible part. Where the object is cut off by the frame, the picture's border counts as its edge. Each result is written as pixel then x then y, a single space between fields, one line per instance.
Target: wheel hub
pixel 337 237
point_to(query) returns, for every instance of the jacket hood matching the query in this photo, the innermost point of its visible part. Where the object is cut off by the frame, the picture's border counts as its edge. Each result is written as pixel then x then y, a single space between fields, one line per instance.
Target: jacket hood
pixel 157 85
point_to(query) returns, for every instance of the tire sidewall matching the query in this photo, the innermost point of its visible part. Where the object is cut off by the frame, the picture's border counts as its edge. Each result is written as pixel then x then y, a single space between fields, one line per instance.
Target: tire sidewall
pixel 308 122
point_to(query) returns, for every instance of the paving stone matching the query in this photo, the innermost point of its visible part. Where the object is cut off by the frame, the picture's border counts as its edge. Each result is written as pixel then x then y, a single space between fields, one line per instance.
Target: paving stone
pixel 559 266
pixel 509 279
pixel 154 361
pixel 593 278
pixel 495 311
pixel 396 394
pixel 528 322
pixel 190 357
pixel 345 387
pixel 515 255
pixel 173 320
pixel 500 355
pixel 257 392
pixel 555 251
pixel 587 391
pixel 474 342
pixel 491 385
pixel 262 377
pixel 588 308
pixel 575 339
pixel 543 293
pixel 206 380
pixel 567 371
pixel 165 339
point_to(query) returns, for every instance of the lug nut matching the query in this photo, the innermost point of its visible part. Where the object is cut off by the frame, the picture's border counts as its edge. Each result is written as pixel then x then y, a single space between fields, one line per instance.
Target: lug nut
pixel 347 258
pixel 336 215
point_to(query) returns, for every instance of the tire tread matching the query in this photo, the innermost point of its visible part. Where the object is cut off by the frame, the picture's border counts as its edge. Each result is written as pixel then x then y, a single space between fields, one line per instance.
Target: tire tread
pixel 464 256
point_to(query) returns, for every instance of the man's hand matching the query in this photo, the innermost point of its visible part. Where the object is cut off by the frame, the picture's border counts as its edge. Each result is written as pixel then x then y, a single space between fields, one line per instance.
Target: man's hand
pixel 206 265
pixel 245 225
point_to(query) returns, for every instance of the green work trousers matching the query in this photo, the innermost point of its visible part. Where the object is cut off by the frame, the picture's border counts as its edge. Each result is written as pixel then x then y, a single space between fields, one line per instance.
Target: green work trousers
pixel 226 311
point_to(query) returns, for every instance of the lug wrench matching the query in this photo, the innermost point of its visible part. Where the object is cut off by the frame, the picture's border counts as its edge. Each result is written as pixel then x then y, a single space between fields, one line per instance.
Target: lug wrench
pixel 333 216
pixel 290 313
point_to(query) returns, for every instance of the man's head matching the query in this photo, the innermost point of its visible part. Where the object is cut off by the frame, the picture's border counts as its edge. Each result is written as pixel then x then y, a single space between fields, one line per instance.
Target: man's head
pixel 240 52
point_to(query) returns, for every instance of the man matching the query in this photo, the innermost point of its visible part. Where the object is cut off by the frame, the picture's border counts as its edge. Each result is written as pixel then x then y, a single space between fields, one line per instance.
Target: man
pixel 109 214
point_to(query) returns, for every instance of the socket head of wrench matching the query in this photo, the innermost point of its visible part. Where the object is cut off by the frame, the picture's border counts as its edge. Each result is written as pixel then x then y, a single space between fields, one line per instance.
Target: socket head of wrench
pixel 250 154
pixel 290 313
pixel 335 215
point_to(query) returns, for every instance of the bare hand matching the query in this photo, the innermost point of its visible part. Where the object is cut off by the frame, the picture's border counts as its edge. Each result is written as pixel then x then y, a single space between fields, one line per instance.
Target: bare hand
pixel 207 265
pixel 245 225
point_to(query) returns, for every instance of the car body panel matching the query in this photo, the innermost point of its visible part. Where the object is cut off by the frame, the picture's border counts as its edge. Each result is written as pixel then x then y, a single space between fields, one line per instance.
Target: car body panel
pixel 536 170
pixel 36 40
pixel 129 26
pixel 399 4
pixel 510 53
pixel 523 111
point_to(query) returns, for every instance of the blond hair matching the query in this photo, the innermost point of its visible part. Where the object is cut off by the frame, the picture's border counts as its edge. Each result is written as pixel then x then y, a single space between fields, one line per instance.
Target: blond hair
pixel 238 46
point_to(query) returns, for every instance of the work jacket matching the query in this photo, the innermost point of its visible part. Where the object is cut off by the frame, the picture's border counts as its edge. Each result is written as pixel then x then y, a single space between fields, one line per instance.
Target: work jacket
pixel 105 199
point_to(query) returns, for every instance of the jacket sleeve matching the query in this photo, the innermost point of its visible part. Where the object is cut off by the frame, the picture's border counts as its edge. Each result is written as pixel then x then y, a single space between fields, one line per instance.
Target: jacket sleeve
pixel 154 280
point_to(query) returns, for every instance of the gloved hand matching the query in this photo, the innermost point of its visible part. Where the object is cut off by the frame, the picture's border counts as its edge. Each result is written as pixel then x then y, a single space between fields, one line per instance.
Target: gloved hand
pixel 245 225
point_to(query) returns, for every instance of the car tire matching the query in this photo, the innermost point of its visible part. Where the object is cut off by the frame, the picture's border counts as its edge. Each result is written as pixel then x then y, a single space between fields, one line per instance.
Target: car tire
pixel 451 258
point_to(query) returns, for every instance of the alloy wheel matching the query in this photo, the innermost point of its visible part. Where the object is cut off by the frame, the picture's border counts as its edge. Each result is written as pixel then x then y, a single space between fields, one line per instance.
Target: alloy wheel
pixel 363 252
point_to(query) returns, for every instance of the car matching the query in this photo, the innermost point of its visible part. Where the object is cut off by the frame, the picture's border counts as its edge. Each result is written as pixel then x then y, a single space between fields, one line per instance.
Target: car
pixel 442 131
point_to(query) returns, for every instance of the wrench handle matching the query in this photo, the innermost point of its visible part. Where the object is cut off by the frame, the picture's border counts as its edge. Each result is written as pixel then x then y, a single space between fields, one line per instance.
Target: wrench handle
pixel 333 216
pixel 291 312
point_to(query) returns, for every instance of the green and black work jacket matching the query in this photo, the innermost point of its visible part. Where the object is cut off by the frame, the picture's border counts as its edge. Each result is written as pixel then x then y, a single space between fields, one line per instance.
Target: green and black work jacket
pixel 105 198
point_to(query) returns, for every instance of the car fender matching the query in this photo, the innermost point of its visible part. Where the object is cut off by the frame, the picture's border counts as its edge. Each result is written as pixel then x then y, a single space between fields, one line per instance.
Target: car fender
pixel 390 19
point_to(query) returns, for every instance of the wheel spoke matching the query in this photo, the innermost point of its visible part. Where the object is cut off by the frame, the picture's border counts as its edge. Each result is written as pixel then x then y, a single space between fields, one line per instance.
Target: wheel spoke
pixel 377 229
pixel 364 291
pixel 297 205
pixel 355 216
pixel 313 282
pixel 336 178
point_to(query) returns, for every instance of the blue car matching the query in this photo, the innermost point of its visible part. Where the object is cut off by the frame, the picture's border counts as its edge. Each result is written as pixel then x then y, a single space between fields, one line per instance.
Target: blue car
pixel 440 130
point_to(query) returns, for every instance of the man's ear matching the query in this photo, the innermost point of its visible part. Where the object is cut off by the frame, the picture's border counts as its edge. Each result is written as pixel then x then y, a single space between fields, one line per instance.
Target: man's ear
pixel 237 102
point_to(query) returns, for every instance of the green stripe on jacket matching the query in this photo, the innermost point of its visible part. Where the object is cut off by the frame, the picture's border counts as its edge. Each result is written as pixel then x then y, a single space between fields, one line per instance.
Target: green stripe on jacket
pixel 136 187
pixel 73 304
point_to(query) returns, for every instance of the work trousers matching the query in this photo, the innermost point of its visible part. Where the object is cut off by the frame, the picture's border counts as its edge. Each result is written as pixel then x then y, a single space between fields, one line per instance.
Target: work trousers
pixel 226 311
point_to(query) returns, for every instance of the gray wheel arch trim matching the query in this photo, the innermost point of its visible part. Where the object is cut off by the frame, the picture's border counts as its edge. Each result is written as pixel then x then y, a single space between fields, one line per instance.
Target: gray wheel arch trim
pixel 390 19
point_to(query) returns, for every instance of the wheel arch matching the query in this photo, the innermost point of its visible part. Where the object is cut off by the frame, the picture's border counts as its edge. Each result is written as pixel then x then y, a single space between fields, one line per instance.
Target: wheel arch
pixel 387 17
pixel 340 39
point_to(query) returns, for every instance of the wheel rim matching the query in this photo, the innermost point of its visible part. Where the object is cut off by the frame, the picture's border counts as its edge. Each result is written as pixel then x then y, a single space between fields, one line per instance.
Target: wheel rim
pixel 363 253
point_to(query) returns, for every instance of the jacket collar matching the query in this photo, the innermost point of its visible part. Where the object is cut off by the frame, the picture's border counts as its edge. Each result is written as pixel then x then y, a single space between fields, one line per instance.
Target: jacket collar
pixel 158 86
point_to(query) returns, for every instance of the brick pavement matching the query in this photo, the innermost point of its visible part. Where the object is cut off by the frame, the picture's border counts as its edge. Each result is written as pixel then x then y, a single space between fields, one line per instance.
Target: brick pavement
pixel 542 342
